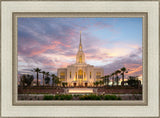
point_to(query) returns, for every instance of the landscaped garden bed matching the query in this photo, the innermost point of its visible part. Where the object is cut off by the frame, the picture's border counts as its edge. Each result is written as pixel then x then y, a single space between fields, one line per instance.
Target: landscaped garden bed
pixel 81 97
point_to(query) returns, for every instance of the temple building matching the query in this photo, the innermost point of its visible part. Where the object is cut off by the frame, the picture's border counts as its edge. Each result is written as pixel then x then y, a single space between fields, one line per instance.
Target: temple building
pixel 80 73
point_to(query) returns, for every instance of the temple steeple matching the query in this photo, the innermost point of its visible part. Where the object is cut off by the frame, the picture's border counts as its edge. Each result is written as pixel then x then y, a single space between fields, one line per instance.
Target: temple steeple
pixel 80 58
pixel 80 44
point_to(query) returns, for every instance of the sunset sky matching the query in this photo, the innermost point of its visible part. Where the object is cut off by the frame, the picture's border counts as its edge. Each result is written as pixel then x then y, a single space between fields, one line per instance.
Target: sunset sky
pixel 51 43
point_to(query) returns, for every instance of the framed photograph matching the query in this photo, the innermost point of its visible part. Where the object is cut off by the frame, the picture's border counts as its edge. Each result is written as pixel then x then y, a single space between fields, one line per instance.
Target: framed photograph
pixel 80 59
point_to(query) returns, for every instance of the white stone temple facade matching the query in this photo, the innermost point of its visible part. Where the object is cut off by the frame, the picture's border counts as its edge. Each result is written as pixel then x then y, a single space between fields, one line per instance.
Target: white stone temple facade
pixel 80 73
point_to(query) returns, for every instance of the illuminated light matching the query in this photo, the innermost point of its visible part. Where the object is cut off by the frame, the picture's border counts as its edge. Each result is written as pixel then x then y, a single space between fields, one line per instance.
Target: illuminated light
pixel 62 76
pixel 98 75
pixel 80 59
pixel 75 79
pixel 80 90
pixel 70 75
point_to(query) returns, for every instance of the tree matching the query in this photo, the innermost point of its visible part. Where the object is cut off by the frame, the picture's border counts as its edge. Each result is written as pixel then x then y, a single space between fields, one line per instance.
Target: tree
pixel 26 80
pixel 47 80
pixel 123 70
pixel 117 78
pixel 57 81
pixel 104 80
pixel 96 83
pixel 22 78
pixel 133 81
pixel 101 83
pixel 43 72
pixel 47 74
pixel 107 79
pixel 37 70
pixel 112 75
pixel 53 79
pixel 64 84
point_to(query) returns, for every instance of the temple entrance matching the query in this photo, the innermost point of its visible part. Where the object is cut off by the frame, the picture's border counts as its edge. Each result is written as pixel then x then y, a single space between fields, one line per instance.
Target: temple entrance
pixel 80 82
pixel 74 84
pixel 80 78
pixel 80 74
pixel 86 84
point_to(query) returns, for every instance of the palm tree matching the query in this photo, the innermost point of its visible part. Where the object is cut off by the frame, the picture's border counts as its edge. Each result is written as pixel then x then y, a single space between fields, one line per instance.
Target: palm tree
pixel 47 80
pixel 117 78
pixel 107 79
pixel 94 83
pixel 123 70
pixel 47 75
pixel 112 75
pixel 104 80
pixel 101 83
pixel 97 83
pixel 43 72
pixel 37 70
pixel 133 81
pixel 57 81
pixel 64 84
pixel 53 79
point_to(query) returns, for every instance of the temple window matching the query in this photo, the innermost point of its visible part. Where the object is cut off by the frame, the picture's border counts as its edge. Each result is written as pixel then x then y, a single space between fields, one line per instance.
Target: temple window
pixel 90 75
pixel 70 75
pixel 75 77
pixel 98 75
pixel 62 76
pixel 84 76
pixel 80 74
pixel 80 59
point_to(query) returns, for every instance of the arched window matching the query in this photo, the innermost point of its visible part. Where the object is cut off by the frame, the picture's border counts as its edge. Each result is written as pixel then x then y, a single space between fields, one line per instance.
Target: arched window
pixel 70 75
pixel 80 74
pixel 84 76
pixel 75 76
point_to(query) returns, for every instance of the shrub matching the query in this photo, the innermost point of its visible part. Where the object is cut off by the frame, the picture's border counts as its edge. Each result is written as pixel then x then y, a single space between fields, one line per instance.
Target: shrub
pixel 68 97
pixel 76 95
pixel 63 97
pixel 56 97
pixel 26 79
pixel 82 97
pixel 111 97
pixel 48 97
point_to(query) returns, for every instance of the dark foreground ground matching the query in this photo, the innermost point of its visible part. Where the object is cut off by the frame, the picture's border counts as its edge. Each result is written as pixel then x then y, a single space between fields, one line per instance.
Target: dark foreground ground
pixel 38 93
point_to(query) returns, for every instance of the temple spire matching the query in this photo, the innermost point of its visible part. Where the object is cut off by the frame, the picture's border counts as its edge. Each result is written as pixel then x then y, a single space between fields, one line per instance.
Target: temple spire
pixel 80 38
pixel 80 44
pixel 80 57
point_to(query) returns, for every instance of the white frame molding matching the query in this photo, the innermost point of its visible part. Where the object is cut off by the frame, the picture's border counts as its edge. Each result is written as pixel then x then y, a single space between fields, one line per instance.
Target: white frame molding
pixel 149 7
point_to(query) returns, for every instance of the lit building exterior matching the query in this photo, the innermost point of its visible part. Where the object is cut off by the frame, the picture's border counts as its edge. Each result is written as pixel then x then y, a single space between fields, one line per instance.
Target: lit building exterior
pixel 80 73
